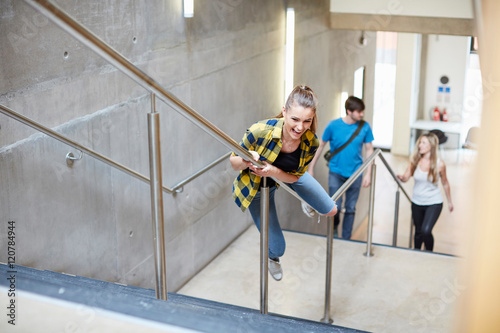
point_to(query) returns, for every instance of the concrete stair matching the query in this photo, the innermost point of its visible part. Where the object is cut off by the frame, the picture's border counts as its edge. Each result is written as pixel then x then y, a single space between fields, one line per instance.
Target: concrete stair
pixel 181 311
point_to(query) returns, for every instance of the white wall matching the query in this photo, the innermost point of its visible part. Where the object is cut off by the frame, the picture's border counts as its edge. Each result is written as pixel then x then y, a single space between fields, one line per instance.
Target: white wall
pixel 446 55
pixel 426 8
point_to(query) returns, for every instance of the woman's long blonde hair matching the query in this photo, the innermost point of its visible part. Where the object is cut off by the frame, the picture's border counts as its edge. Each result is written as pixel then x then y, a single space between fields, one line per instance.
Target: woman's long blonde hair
pixel 415 156
pixel 305 97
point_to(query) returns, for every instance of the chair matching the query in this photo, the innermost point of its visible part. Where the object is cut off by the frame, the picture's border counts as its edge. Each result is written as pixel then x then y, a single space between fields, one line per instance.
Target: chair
pixel 441 136
pixel 471 142
pixel 472 138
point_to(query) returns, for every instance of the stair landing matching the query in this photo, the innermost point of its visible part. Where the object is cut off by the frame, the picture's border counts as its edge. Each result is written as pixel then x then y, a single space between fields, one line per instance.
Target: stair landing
pixel 396 290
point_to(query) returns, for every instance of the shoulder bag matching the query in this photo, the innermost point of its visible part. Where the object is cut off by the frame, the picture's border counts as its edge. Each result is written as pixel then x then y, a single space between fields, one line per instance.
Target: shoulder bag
pixel 329 154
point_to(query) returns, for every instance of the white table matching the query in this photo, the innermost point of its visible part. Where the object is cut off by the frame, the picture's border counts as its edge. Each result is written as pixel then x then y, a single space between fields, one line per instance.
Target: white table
pixel 447 127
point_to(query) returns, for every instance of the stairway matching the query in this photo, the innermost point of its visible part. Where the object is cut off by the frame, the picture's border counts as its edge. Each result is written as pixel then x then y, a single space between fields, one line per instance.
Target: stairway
pixel 396 290
pixel 179 311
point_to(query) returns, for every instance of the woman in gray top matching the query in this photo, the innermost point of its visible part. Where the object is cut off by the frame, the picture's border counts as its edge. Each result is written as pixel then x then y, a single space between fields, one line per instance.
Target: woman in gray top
pixel 427 201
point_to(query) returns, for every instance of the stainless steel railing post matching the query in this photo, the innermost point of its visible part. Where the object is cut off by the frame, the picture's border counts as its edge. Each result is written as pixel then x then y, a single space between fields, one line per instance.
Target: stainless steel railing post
pixel 368 252
pixel 157 200
pixel 264 244
pixel 329 254
pixel 396 219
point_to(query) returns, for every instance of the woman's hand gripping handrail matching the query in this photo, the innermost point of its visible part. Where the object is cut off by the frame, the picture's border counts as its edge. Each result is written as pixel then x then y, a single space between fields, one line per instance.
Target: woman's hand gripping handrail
pixel 67 23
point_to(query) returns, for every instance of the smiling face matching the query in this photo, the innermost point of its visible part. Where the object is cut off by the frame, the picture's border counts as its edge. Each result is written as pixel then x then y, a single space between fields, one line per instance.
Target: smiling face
pixel 298 119
pixel 424 146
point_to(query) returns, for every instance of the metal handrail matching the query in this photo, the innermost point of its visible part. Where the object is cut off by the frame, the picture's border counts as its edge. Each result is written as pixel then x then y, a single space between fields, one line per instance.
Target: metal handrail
pixel 359 171
pixel 67 23
pixel 329 249
pixel 393 175
pixel 179 186
pixel 75 29
pixel 362 168
pixel 93 42
pixel 45 130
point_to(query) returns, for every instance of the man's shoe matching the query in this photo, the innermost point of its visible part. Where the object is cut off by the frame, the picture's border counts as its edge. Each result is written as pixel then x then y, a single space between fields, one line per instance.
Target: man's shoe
pixel 275 269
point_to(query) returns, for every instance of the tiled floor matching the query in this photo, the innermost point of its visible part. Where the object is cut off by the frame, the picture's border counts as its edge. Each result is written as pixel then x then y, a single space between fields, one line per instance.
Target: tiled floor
pixel 396 290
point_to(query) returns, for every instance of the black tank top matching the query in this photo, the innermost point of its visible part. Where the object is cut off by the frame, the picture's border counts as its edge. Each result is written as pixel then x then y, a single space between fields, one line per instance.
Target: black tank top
pixel 287 162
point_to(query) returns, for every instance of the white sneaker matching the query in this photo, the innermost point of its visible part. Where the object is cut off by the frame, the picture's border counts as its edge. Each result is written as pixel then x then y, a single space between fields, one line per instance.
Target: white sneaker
pixel 308 210
pixel 275 269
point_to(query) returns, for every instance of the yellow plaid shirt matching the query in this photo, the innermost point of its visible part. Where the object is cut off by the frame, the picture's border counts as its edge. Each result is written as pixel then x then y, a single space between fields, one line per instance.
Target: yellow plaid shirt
pixel 264 137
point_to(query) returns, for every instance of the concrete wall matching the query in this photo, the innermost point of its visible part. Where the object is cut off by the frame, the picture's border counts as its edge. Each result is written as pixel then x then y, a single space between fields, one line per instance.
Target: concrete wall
pixel 226 62
pixel 341 55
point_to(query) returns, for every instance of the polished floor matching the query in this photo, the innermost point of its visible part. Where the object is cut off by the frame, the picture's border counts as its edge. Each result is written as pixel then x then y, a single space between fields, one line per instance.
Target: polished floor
pixel 396 290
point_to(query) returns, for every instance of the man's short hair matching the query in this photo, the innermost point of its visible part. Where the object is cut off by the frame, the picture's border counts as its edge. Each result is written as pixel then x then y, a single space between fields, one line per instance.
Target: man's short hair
pixel 353 103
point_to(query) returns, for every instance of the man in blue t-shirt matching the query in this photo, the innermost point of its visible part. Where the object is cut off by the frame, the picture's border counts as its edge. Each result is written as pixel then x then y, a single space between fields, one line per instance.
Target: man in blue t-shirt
pixel 348 160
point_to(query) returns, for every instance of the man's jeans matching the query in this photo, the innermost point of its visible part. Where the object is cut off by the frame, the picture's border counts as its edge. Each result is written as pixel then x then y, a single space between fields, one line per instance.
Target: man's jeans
pixel 335 181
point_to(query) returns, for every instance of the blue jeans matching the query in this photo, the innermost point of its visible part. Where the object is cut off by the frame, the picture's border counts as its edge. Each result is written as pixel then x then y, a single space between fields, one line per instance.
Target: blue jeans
pixel 308 189
pixel 335 181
